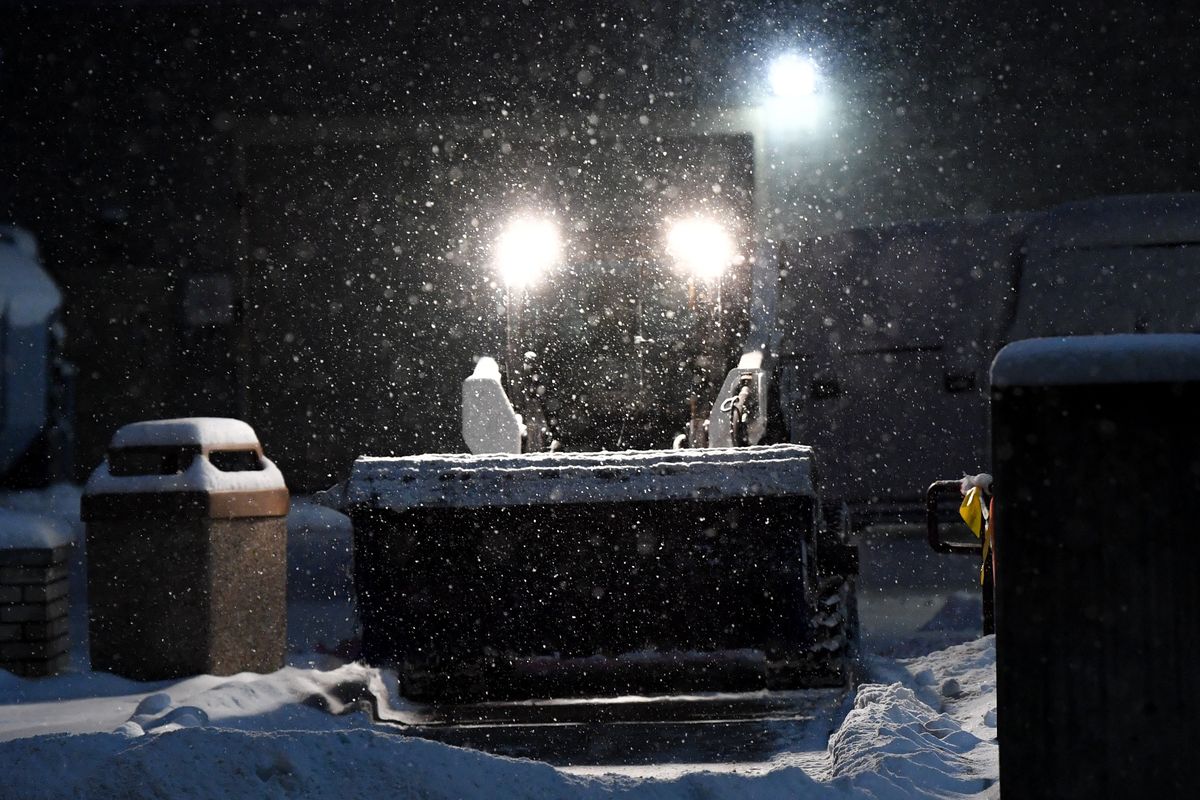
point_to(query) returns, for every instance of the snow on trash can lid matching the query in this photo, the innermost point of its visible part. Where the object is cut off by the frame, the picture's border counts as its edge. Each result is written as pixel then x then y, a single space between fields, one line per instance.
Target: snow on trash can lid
pixel 199 431
pixel 1087 360
pixel 218 462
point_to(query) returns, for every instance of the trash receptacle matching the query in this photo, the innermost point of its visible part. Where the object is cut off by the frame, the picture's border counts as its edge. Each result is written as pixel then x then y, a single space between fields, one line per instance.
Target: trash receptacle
pixel 1096 477
pixel 186 551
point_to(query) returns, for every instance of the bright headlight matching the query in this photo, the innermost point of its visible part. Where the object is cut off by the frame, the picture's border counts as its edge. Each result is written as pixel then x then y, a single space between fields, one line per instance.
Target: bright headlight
pixel 701 247
pixel 527 249
pixel 793 77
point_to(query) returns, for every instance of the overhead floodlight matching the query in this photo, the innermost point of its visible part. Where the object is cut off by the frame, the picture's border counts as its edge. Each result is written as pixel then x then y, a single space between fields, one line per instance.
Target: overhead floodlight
pixel 701 247
pixel 793 77
pixel 526 250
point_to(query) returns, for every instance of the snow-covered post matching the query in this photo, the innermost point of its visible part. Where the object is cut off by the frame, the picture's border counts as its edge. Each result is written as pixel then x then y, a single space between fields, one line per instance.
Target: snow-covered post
pixel 525 252
pixel 33 594
pixel 1097 474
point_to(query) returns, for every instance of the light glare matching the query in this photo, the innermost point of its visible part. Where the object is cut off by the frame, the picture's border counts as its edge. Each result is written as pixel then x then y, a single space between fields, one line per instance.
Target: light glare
pixel 701 247
pixel 526 250
pixel 793 77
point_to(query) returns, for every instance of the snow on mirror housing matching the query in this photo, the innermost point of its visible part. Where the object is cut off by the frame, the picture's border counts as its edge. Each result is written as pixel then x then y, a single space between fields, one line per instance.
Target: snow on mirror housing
pixel 489 423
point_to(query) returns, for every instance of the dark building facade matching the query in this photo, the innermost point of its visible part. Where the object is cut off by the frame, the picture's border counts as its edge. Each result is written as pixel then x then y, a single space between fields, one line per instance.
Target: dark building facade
pixel 280 210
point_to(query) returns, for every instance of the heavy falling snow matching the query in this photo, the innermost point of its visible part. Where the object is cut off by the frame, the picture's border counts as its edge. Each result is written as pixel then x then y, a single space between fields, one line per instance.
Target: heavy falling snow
pixel 595 398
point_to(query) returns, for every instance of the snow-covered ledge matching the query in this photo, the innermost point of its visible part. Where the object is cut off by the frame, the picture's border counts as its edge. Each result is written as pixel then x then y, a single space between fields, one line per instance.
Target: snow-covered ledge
pixel 497 480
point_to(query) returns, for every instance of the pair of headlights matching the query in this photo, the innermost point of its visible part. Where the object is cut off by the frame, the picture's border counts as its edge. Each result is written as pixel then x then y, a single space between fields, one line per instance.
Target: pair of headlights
pixel 529 247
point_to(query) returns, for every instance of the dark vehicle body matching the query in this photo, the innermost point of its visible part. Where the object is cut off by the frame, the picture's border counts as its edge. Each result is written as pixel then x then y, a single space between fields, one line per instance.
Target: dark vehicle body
pixel 885 336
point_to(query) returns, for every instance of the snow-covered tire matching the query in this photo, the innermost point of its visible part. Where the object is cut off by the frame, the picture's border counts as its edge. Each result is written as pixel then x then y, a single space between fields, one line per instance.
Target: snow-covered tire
pixel 834 650
pixel 830 660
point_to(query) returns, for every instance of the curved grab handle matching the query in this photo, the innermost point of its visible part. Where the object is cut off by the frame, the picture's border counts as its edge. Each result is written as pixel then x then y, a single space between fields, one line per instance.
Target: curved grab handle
pixel 937 490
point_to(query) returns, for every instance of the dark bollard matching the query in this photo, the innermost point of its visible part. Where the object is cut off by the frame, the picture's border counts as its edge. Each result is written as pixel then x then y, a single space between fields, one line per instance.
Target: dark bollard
pixel 1096 449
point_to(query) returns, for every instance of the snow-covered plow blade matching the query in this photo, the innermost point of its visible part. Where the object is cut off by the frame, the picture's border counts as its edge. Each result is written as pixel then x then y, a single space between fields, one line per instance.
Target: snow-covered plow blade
pixel 551 575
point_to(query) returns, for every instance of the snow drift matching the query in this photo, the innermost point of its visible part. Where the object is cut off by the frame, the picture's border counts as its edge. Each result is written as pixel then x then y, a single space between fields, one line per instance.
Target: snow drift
pixel 301 733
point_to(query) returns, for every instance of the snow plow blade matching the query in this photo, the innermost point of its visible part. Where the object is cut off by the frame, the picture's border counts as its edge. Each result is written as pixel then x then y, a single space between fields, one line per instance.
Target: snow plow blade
pixel 690 729
pixel 556 575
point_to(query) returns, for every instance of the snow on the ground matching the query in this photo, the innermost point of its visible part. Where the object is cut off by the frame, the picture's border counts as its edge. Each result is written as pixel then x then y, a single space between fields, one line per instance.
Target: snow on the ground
pixel 322 607
pixel 96 702
pixel 927 729
pixel 928 733
pixel 925 726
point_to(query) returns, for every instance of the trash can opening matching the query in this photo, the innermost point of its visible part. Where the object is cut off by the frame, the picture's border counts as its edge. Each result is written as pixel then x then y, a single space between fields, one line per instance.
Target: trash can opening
pixel 208 464
pixel 237 460
pixel 131 461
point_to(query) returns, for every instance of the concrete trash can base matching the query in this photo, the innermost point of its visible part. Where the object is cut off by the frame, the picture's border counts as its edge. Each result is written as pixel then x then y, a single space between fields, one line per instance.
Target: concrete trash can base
pixel 186 547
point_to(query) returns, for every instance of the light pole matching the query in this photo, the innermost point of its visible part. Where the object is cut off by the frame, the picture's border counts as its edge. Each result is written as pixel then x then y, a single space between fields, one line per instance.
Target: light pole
pixel 703 249
pixel 527 249
pixel 796 101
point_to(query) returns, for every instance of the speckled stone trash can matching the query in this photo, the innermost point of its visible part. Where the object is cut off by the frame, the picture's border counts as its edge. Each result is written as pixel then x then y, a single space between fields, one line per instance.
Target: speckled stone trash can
pixel 34 636
pixel 186 543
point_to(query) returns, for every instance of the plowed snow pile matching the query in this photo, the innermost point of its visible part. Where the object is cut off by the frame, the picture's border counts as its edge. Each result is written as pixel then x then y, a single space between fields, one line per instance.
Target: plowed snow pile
pixel 927 732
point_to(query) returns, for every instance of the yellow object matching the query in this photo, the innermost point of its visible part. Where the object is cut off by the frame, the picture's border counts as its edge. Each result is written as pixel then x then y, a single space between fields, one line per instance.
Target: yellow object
pixel 972 513
pixel 971 510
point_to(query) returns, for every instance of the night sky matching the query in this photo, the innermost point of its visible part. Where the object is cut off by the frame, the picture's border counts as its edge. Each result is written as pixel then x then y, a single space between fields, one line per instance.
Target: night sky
pixel 174 150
